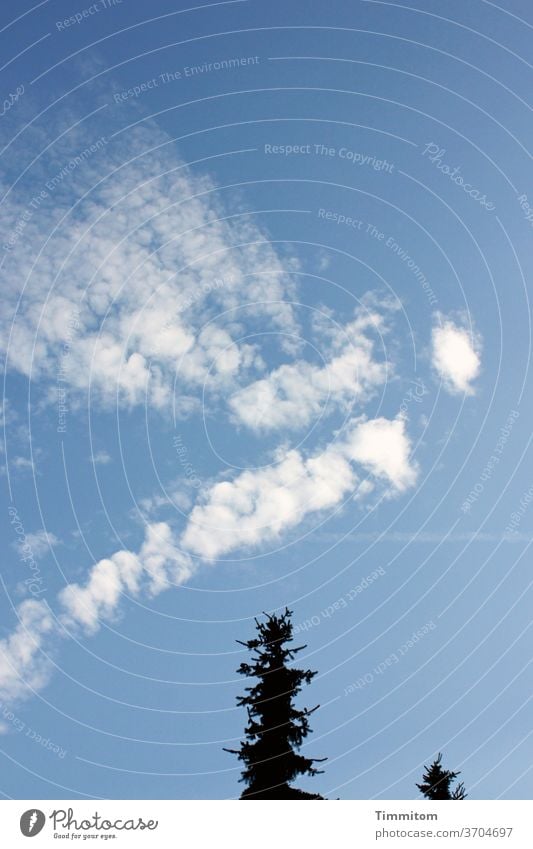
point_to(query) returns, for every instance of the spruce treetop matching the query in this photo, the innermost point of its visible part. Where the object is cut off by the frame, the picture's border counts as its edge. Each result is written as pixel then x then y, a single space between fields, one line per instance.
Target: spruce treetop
pixel 276 729
pixel 437 782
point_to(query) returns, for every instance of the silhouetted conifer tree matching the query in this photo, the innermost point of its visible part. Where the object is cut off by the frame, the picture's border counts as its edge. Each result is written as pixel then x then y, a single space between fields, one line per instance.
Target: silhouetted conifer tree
pixel 276 729
pixel 438 781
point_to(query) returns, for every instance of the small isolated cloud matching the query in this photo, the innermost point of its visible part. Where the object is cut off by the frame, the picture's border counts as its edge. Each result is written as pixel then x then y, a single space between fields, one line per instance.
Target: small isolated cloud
pixel 101 458
pixel 22 464
pixel 38 543
pixel 19 464
pixel 292 395
pixel 456 357
pixel 24 660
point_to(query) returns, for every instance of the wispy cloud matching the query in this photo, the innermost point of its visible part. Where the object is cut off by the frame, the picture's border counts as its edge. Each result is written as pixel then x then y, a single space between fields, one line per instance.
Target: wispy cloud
pixel 23 666
pixel 158 565
pixel 101 458
pixel 428 537
pixel 39 543
pixel 294 394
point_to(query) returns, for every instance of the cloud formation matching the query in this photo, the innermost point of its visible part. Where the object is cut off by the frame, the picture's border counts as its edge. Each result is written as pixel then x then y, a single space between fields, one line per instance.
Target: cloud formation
pixel 130 279
pixel 254 508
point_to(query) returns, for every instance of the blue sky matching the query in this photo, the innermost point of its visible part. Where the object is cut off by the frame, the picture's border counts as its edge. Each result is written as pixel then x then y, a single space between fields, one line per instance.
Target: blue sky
pixel 266 338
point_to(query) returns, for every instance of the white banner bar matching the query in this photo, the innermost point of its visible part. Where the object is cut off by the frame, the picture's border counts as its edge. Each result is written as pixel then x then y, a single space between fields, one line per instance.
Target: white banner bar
pixel 262 825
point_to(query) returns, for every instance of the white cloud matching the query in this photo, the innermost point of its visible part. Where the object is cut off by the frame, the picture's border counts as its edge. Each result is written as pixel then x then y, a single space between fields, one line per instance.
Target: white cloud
pixel 158 565
pixel 98 598
pixel 292 395
pixel 456 356
pixel 258 506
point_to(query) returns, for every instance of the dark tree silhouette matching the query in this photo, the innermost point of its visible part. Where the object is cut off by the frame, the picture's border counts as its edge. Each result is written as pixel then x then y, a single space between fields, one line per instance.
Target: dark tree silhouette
pixel 438 781
pixel 276 729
